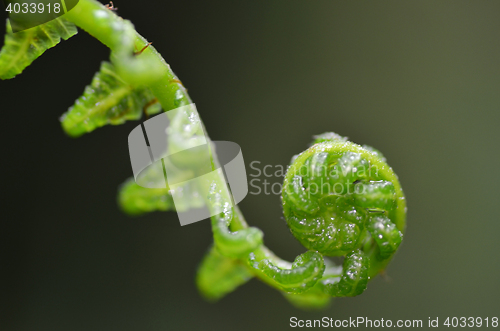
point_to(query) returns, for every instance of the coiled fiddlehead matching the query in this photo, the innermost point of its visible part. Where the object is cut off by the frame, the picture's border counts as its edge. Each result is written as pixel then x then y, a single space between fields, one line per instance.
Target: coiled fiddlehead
pixel 339 197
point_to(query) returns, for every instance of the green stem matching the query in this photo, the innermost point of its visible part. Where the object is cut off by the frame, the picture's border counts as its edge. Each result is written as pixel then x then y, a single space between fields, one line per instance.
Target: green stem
pixel 108 28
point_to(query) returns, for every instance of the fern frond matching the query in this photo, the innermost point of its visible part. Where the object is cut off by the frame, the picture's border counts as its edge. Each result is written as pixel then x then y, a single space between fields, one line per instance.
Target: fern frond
pixel 135 200
pixel 24 47
pixel 107 100
pixel 219 275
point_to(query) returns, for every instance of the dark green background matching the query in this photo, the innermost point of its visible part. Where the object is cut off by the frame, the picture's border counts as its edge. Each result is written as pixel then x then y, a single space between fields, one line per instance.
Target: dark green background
pixel 419 80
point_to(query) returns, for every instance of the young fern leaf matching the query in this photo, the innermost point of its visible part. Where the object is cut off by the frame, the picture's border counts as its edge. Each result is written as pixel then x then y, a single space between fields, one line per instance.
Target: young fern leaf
pixel 107 100
pixel 298 277
pixel 361 216
pixel 221 275
pixel 136 200
pixel 338 198
pixel 317 297
pixel 24 47
pixel 354 277
pixel 385 234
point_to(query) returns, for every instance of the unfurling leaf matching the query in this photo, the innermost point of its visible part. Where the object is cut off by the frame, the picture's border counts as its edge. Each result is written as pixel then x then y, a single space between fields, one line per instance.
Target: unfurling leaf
pixel 107 100
pixel 24 47
pixel 135 200
pixel 219 275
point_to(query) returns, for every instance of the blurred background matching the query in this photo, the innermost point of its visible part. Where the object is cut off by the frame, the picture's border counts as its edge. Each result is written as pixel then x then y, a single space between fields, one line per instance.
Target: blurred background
pixel 418 80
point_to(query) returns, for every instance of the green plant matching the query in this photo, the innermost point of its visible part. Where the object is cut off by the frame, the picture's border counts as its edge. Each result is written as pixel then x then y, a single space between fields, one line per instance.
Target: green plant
pixel 360 216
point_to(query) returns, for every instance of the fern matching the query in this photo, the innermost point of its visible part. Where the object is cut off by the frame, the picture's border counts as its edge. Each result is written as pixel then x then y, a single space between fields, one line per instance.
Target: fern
pixel 362 220
pixel 222 275
pixel 136 200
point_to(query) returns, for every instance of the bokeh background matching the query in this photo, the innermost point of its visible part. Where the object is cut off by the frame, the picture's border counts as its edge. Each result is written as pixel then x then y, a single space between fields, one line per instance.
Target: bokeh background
pixel 419 80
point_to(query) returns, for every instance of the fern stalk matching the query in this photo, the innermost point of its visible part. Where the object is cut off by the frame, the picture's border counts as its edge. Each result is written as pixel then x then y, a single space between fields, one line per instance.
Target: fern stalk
pixel 165 87
pixel 364 221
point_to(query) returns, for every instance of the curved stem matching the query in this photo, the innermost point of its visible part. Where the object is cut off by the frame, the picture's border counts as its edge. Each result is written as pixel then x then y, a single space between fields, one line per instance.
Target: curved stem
pixel 111 30
pixel 117 33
